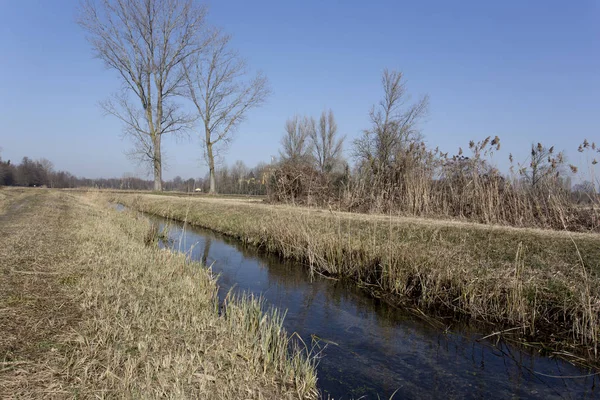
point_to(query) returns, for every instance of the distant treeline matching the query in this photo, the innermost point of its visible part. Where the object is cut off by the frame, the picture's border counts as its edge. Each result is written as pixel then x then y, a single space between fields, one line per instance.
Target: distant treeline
pixel 237 179
pixel 39 173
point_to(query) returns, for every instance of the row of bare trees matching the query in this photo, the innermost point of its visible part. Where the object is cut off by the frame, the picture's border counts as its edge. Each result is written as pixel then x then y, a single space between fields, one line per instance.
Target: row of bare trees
pixel 307 142
pixel 28 173
pixel 234 179
pixel 241 179
pixel 164 51
pixel 41 173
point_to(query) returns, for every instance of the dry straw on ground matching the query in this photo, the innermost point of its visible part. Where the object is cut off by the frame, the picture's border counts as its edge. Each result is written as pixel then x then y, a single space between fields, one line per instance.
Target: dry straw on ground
pixel 89 311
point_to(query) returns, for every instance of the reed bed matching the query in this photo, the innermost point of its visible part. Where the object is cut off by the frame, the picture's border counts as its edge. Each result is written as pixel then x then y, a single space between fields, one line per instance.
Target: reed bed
pixel 414 180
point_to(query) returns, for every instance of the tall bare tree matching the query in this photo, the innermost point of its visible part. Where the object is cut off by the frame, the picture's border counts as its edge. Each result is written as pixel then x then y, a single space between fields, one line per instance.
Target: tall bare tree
pixel 296 146
pixel 395 125
pixel 326 145
pixel 146 42
pixel 217 85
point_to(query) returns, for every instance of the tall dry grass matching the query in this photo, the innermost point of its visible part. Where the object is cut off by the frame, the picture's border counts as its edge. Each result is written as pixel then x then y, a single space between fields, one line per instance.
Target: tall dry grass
pixel 155 328
pixel 419 181
pixel 136 321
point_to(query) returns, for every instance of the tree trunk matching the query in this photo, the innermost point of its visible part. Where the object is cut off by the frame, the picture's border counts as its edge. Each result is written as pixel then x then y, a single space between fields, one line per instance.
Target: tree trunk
pixel 211 167
pixel 157 164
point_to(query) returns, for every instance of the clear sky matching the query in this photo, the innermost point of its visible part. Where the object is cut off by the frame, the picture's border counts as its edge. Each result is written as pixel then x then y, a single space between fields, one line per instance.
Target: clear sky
pixel 527 71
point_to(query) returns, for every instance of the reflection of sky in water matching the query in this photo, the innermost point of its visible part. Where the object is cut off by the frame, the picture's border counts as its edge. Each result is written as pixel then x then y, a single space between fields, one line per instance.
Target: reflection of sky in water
pixel 376 349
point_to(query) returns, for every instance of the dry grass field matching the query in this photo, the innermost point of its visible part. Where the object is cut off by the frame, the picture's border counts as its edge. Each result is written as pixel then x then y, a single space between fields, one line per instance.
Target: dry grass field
pixel 87 310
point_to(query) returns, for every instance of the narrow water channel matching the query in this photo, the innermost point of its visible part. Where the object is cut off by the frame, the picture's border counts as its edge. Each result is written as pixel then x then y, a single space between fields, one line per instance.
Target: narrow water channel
pixel 373 349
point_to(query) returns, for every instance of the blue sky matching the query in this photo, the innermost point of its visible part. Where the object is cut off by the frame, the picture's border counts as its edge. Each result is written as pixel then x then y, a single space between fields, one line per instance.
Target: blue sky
pixel 526 71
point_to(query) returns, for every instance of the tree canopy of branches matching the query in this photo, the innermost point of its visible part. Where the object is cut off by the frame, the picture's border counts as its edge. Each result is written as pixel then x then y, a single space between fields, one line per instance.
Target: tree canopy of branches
pixel 395 125
pixel 146 42
pixel 217 85
pixel 311 166
pixel 326 145
pixel 295 145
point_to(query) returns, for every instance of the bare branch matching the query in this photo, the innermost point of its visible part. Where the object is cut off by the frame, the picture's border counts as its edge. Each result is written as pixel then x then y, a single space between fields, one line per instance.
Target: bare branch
pixel 146 42
pixel 326 145
pixel 296 146
pixel 215 84
pixel 395 126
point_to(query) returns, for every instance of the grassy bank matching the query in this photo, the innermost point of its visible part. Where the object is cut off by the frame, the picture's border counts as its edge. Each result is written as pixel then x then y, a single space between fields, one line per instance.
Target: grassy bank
pixel 87 310
pixel 545 282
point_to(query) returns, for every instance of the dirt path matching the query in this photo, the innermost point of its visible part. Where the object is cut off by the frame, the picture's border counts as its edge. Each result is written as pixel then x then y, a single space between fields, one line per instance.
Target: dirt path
pixel 35 309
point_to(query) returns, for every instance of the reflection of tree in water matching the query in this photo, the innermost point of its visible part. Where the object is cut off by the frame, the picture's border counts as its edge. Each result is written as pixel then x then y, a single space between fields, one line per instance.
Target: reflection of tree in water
pixel 292 276
pixel 287 274
pixel 206 250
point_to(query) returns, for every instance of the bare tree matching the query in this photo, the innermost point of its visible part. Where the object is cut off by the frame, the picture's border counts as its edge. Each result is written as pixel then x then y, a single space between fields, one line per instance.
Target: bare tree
pixel 216 85
pixel 585 192
pixel 146 42
pixel 394 125
pixel 48 168
pixel 295 143
pixel 238 173
pixel 326 145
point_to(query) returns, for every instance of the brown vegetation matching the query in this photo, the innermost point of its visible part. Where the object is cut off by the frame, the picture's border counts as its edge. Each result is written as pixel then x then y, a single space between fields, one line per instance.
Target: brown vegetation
pixel 36 311
pixel 544 282
pixel 87 310
pixel 397 173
